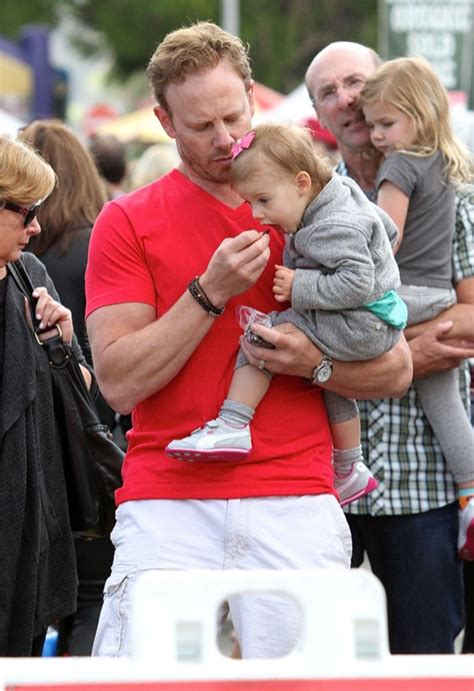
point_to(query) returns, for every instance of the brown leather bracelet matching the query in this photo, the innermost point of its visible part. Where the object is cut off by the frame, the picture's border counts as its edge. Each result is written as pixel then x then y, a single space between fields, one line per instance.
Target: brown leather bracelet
pixel 201 298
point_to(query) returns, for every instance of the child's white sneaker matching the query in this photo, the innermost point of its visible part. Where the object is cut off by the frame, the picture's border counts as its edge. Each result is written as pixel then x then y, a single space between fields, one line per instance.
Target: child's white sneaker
pixel 357 483
pixel 466 532
pixel 217 440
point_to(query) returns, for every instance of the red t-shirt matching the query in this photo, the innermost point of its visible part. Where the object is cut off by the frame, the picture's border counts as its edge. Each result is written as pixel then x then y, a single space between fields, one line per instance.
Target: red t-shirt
pixel 146 247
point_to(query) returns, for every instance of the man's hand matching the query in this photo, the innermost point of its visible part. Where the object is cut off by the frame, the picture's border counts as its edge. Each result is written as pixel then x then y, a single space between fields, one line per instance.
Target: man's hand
pixel 135 354
pixel 283 283
pixel 433 350
pixel 235 266
pixel 293 352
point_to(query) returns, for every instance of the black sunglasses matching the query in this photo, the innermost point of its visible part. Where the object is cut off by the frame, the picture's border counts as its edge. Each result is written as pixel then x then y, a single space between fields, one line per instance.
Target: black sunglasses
pixel 28 213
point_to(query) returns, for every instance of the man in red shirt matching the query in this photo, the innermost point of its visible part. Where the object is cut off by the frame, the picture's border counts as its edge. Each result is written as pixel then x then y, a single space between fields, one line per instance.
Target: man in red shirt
pixel 164 348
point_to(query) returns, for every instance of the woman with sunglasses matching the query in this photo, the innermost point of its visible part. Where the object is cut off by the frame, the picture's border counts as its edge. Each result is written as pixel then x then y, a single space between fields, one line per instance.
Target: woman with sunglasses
pixel 37 573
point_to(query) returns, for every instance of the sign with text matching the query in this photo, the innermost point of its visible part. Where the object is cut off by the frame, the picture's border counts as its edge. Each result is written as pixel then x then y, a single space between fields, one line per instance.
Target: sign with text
pixel 442 31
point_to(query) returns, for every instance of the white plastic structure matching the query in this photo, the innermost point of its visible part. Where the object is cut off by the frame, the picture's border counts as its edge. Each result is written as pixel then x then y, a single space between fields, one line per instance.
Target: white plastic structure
pixel 342 614
pixel 342 646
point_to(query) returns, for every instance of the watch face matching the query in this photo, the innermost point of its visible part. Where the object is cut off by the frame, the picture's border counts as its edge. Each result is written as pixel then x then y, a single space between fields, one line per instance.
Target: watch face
pixel 324 372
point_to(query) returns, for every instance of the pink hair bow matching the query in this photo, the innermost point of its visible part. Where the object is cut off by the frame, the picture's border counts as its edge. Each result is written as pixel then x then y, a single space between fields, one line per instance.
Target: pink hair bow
pixel 243 143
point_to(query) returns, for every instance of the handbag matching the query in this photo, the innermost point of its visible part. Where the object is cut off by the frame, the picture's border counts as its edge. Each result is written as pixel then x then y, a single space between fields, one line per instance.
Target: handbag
pixel 92 461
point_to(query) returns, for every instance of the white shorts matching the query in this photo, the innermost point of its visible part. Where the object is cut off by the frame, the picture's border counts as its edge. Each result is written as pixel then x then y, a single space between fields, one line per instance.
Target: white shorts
pixel 257 533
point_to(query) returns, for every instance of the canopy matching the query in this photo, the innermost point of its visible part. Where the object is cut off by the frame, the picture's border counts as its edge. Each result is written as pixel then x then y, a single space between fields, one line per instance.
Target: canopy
pixel 293 108
pixel 142 126
pixel 296 109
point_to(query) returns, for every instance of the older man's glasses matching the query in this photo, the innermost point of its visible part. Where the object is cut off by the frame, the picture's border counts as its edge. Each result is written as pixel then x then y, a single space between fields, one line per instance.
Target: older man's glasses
pixel 352 85
pixel 28 213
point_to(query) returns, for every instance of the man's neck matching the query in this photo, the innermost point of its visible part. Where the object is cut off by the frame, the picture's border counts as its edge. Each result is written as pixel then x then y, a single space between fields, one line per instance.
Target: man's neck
pixel 220 190
pixel 362 166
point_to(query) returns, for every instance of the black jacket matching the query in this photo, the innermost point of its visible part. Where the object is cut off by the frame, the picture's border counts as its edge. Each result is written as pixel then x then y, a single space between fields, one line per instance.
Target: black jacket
pixel 37 562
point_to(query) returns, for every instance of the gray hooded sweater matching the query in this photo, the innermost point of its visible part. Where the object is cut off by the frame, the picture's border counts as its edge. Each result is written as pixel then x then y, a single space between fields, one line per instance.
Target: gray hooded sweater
pixel 343 258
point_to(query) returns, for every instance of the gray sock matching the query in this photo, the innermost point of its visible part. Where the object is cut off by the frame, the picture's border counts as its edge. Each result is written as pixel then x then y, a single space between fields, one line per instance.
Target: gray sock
pixel 236 413
pixel 343 459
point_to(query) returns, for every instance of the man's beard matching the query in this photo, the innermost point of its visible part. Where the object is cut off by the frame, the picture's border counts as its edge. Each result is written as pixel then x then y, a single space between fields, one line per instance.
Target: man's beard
pixel 210 172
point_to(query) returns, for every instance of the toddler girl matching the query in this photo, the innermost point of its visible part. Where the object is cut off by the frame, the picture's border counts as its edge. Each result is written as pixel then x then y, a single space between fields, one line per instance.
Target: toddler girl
pixel 340 276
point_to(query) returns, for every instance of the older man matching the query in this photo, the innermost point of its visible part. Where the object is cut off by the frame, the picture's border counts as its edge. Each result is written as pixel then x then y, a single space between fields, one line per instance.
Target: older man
pixel 408 526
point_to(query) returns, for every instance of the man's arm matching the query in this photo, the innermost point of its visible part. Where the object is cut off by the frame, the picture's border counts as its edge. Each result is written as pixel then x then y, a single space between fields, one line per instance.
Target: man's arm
pixel 447 340
pixel 388 375
pixel 461 314
pixel 433 350
pixel 136 354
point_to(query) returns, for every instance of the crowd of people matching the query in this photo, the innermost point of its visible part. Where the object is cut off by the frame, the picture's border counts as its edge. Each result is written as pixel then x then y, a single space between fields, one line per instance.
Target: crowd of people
pixel 357 284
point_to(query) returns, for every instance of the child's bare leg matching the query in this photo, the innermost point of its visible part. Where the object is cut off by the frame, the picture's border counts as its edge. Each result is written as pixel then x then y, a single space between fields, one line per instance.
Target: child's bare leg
pixel 346 435
pixel 248 386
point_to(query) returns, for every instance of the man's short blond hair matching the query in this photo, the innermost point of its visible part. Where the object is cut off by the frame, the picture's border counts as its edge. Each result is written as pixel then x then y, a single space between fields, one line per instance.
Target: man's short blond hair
pixel 195 49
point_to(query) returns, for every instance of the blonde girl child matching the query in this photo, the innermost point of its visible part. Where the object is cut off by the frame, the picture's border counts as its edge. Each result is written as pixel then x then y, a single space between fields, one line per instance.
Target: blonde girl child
pixel 406 108
pixel 340 275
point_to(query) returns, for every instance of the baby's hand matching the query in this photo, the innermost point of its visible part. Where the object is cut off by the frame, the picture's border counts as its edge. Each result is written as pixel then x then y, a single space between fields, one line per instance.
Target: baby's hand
pixel 282 283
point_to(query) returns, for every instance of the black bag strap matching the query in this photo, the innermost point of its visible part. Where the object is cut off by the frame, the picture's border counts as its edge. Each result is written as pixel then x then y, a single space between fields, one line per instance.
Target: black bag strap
pixel 58 353
pixel 22 279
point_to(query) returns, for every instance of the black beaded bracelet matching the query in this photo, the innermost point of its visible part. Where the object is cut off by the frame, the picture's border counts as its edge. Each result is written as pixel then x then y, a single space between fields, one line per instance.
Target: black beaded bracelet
pixel 201 298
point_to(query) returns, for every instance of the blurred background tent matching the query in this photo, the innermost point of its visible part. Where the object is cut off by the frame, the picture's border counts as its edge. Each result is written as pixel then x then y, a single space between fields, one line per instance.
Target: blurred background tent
pixel 139 126
pixel 9 124
pixel 296 108
pixel 142 126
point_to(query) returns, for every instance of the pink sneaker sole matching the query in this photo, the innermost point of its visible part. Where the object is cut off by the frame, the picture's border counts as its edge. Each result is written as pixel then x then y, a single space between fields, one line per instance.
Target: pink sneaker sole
pixel 194 456
pixel 370 486
pixel 467 550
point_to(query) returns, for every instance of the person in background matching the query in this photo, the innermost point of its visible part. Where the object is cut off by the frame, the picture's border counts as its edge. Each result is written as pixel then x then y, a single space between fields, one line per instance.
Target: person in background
pixel 66 219
pixel 164 340
pixel 68 214
pixel 155 161
pixel 409 525
pixel 38 568
pixel 465 229
pixel 110 157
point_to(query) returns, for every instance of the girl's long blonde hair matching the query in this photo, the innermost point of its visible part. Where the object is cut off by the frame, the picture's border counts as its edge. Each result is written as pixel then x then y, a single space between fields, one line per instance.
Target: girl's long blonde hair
pixel 411 86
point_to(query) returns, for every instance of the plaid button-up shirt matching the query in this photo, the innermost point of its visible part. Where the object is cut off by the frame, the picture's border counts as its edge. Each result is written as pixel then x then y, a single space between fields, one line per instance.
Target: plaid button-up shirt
pixel 397 440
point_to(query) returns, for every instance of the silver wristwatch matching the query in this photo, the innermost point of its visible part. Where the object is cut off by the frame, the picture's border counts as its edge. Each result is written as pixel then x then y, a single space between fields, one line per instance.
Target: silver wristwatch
pixel 322 372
